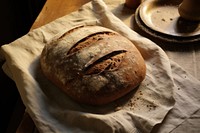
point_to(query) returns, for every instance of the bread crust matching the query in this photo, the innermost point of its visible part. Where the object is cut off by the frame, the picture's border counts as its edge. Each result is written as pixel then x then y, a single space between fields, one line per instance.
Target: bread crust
pixel 93 65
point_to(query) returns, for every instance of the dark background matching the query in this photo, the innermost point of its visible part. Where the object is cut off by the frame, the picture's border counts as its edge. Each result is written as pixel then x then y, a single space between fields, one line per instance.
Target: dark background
pixel 16 19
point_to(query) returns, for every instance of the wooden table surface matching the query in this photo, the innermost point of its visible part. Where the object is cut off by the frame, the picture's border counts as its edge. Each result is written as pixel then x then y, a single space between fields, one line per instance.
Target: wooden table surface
pixel 52 10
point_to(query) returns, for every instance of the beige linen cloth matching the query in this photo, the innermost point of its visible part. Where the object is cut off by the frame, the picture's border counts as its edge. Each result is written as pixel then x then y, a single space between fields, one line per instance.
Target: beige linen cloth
pixel 168 97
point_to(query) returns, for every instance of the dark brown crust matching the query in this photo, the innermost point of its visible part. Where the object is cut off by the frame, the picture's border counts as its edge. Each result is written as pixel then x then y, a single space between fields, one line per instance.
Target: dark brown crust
pixel 86 42
pixel 92 73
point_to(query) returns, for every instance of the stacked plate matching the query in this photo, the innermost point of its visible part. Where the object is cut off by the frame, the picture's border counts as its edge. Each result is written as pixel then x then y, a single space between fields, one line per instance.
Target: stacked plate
pixel 160 20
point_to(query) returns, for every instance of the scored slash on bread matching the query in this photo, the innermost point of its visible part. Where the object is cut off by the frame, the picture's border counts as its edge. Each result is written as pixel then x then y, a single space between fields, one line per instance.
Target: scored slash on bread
pixel 109 62
pixel 93 65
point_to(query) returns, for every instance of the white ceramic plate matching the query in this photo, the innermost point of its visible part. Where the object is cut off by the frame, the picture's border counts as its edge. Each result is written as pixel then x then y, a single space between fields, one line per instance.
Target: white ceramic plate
pixel 163 16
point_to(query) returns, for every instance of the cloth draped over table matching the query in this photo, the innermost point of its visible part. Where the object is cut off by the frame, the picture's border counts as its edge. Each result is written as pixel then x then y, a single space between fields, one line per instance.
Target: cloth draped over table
pixel 167 97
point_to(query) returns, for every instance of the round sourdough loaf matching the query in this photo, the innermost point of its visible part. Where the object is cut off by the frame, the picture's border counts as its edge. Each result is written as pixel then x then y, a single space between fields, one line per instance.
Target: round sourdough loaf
pixel 93 65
